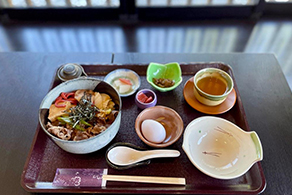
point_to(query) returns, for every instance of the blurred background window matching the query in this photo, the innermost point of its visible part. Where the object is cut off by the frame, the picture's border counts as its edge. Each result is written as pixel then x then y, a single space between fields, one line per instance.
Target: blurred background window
pixel 191 3
pixel 138 3
pixel 58 3
pixel 149 26
pixel 279 1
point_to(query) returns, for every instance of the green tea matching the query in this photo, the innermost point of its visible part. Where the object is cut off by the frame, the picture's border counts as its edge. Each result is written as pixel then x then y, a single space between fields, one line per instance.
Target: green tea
pixel 212 85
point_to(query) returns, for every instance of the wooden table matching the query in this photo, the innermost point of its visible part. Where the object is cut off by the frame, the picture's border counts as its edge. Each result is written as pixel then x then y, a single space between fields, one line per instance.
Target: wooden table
pixel 25 79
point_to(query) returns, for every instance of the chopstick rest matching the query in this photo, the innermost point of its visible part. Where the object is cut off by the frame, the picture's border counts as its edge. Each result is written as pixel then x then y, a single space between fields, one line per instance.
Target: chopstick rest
pixel 98 177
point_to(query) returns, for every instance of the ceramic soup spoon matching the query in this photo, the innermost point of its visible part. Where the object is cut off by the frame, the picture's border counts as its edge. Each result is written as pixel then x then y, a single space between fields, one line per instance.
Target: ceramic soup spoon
pixel 124 156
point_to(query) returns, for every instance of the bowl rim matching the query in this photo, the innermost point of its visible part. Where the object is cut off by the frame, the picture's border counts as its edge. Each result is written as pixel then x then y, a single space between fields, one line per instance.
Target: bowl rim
pixel 163 89
pixel 126 70
pixel 159 145
pixel 142 103
pixel 64 84
pixel 209 95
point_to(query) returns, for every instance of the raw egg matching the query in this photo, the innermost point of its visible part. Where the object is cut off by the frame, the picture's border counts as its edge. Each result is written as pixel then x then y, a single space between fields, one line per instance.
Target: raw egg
pixel 153 131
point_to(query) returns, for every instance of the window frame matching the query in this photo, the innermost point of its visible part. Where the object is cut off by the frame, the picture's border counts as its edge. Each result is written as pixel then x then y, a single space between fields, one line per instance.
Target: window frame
pixel 129 11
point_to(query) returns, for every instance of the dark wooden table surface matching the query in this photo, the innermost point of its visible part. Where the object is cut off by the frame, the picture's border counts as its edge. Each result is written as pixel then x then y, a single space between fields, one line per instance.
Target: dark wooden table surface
pixel 25 79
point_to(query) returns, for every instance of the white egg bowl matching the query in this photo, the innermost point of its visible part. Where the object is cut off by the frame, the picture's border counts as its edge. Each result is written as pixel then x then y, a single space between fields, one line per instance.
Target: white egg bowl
pixel 127 74
pixel 221 149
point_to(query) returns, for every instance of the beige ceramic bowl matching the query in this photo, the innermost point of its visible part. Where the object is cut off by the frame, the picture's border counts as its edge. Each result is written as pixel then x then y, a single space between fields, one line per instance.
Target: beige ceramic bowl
pixel 209 99
pixel 87 145
pixel 221 149
pixel 168 117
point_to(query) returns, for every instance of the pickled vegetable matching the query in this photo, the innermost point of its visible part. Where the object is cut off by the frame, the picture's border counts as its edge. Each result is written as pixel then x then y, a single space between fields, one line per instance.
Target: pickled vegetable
pixel 162 82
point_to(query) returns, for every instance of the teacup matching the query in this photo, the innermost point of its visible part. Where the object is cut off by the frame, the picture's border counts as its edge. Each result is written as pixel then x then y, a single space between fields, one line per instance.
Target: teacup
pixel 212 86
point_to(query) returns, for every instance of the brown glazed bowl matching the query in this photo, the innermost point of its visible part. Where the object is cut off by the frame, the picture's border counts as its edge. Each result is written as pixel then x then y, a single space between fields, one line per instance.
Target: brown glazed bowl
pixel 170 120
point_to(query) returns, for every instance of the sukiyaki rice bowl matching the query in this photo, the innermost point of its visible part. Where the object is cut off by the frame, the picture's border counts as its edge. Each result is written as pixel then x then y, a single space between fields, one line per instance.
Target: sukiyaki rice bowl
pixel 81 115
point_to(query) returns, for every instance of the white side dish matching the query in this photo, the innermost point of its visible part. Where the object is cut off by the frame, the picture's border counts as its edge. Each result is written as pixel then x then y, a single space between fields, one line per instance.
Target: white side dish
pixel 124 89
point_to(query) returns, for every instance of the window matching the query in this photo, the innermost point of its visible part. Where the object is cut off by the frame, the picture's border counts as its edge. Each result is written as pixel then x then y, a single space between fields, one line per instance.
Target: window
pixel 142 9
pixel 59 3
pixel 193 3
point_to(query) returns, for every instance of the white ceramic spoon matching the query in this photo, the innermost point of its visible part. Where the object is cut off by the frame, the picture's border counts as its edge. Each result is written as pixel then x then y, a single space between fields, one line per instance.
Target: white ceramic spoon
pixel 123 156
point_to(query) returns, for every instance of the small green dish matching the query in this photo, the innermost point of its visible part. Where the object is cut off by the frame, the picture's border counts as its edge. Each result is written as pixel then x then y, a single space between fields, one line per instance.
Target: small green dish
pixel 170 71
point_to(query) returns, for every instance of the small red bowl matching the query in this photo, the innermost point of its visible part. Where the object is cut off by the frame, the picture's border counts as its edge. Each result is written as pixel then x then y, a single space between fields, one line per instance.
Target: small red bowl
pixel 148 93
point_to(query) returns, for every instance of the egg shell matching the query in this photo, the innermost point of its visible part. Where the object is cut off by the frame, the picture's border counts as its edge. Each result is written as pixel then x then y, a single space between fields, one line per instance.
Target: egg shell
pixel 153 131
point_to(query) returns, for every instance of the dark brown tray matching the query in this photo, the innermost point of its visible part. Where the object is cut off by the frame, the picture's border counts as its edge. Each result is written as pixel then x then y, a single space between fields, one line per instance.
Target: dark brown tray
pixel 45 157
